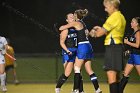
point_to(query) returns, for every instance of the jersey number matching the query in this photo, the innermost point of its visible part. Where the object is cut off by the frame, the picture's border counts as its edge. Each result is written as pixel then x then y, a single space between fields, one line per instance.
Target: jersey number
pixel 75 39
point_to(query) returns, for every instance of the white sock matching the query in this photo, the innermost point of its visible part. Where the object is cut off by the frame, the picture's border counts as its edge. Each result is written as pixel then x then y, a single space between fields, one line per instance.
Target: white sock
pixel 3 78
pixel 57 90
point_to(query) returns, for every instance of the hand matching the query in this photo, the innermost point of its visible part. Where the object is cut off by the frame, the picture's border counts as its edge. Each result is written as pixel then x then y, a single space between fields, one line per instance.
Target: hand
pixel 126 41
pixel 92 33
pixel 69 52
pixel 96 28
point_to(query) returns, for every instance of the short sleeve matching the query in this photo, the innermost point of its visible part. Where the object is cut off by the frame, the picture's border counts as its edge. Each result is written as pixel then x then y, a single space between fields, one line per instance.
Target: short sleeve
pixel 111 22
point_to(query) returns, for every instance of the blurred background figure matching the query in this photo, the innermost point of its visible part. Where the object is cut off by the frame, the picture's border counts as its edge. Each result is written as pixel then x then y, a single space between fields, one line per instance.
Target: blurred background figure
pixel 11 62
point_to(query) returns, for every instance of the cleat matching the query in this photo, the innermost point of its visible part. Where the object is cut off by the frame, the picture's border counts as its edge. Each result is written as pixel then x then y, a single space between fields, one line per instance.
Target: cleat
pixel 3 88
pixel 57 90
pixel 75 91
pixel 98 90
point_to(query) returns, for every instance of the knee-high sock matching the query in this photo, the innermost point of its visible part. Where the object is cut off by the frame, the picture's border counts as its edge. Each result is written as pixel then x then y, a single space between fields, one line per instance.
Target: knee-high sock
pixel 62 79
pixel 94 81
pixel 81 84
pixel 3 78
pixel 123 83
pixel 114 88
pixel 76 81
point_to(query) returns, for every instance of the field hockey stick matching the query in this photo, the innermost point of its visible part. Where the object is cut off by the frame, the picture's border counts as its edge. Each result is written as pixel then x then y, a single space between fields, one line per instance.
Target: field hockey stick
pixel 11 57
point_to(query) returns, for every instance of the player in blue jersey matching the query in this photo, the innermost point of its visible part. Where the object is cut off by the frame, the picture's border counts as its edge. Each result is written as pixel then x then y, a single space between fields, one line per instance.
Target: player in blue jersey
pixel 134 60
pixel 84 51
pixel 68 42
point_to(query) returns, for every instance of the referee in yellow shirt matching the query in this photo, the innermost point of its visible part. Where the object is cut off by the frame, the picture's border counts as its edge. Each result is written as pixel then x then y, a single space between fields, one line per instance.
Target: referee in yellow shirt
pixel 10 63
pixel 114 29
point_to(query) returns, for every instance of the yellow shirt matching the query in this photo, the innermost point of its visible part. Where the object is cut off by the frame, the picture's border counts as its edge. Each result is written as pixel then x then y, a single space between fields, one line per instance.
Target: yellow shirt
pixel 115 26
pixel 8 60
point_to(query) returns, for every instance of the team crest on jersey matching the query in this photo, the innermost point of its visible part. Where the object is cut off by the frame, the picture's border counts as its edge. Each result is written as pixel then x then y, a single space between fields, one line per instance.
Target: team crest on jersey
pixel 132 39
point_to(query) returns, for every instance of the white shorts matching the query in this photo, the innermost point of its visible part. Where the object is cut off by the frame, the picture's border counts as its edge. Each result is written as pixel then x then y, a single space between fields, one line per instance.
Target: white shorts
pixel 2 59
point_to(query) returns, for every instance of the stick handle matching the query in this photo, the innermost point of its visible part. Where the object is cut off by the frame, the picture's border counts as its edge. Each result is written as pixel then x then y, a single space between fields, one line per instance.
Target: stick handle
pixel 11 57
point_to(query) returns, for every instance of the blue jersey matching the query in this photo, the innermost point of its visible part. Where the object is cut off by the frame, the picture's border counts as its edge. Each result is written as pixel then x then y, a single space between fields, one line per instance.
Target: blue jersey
pixel 71 43
pixel 84 50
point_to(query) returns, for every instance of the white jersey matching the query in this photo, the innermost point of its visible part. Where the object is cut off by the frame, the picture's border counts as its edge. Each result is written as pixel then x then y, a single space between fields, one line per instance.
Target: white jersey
pixel 3 42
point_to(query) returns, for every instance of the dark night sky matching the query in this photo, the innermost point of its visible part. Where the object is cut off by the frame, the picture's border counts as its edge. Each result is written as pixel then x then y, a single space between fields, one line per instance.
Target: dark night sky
pixel 28 36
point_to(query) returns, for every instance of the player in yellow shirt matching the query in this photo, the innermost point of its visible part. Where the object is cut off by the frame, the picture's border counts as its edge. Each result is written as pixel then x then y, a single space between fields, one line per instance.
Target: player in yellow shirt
pixel 114 29
pixel 10 62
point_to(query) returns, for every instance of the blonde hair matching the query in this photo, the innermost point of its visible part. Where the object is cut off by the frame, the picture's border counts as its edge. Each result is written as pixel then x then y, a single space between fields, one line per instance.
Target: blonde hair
pixel 81 13
pixel 115 3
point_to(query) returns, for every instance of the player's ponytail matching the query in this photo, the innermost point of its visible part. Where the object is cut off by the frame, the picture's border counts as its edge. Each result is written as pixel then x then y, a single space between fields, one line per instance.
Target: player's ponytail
pixel 81 13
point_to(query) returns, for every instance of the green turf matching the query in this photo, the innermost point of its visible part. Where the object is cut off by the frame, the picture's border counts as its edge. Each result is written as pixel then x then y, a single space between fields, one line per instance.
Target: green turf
pixel 49 88
pixel 47 69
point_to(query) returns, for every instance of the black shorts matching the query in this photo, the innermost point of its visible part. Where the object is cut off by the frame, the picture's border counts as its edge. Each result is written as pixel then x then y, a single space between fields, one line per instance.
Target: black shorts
pixel 7 68
pixel 114 58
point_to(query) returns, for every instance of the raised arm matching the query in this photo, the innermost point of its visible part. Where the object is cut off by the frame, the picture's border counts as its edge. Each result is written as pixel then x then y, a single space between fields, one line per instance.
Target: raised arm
pixel 69 25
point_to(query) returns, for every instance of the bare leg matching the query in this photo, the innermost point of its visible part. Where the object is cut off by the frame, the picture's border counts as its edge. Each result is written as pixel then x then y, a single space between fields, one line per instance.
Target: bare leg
pixel 3 77
pixel 128 69
pixel 112 80
pixel 138 69
pixel 15 76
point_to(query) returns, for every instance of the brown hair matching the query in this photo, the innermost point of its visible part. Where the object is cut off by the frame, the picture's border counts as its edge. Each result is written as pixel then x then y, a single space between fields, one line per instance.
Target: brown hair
pixel 81 13
pixel 138 20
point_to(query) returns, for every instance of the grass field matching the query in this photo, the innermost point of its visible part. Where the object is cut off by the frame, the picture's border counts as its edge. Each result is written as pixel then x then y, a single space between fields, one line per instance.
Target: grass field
pixel 67 87
pixel 48 69
pixel 39 74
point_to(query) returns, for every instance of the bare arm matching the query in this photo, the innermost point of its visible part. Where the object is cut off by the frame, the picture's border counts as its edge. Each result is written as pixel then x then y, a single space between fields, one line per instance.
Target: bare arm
pixel 63 37
pixel 97 31
pixel 137 44
pixel 69 25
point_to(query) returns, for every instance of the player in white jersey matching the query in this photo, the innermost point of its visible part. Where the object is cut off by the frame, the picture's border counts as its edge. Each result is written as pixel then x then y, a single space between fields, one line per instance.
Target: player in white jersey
pixel 3 45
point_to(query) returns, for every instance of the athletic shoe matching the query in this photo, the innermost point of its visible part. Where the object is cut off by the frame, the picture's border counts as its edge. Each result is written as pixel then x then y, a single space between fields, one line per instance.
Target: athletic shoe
pixel 16 82
pixel 57 90
pixel 3 88
pixel 82 92
pixel 98 90
pixel 75 91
